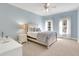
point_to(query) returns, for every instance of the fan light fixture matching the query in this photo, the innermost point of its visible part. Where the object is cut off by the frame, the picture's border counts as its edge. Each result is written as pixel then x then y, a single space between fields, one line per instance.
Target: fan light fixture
pixel 46 6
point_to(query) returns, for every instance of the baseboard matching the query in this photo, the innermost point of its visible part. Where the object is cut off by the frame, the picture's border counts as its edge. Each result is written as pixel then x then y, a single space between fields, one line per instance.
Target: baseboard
pixel 76 39
pixel 72 38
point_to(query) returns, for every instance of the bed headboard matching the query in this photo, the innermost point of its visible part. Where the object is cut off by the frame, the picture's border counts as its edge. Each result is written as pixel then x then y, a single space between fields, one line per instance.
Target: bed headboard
pixel 33 28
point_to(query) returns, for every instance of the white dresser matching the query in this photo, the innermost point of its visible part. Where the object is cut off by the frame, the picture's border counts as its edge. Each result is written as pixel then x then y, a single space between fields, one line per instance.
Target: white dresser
pixel 22 38
pixel 10 47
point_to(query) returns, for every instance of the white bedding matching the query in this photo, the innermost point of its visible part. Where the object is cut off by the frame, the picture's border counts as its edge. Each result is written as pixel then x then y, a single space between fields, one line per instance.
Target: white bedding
pixel 32 34
pixel 45 38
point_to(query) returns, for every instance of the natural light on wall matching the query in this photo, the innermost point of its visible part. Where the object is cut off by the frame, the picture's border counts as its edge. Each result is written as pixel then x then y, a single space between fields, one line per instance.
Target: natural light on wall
pixel 60 27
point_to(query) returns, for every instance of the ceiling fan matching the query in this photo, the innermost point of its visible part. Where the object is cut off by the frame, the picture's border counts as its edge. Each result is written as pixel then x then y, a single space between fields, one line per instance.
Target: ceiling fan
pixel 47 6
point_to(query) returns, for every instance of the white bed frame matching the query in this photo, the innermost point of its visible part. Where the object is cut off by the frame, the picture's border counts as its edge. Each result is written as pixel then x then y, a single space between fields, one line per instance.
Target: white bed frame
pixel 52 40
pixel 47 44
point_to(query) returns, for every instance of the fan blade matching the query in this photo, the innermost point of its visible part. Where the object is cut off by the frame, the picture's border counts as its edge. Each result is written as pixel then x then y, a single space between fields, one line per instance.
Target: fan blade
pixel 53 7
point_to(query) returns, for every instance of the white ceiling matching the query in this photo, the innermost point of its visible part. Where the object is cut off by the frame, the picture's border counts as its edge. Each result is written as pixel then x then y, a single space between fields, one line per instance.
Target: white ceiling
pixel 38 8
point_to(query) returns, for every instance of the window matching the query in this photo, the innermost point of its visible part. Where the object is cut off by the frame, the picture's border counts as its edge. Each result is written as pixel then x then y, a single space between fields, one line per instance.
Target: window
pixel 49 25
pixel 65 26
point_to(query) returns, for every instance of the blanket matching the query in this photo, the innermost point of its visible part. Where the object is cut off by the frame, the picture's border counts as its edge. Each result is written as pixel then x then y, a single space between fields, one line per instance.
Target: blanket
pixel 45 36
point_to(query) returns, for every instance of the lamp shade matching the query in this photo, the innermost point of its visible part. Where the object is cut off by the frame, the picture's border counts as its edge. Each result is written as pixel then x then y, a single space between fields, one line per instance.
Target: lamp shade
pixel 23 27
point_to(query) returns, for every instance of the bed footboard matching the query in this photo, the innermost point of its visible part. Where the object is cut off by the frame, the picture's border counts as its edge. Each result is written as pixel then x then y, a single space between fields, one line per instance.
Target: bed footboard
pixel 48 41
pixel 52 39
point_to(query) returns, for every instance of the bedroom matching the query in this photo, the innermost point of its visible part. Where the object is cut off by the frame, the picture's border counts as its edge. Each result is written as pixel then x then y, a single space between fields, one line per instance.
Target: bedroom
pixel 14 17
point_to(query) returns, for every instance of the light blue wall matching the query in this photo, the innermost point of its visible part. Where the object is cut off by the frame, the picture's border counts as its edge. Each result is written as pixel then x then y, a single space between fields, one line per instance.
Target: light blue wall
pixel 10 16
pixel 78 23
pixel 57 17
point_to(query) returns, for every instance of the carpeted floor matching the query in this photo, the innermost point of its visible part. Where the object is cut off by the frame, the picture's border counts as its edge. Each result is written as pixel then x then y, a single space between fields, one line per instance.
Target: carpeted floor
pixel 63 47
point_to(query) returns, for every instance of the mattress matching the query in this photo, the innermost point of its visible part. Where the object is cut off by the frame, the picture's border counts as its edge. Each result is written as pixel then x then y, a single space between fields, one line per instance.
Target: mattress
pixel 44 38
pixel 32 34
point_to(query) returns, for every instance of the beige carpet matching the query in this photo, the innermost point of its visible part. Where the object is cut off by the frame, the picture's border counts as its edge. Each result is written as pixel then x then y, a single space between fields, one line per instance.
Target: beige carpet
pixel 63 47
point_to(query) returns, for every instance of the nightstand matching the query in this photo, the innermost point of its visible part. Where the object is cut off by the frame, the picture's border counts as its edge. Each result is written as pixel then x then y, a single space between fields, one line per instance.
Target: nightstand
pixel 22 38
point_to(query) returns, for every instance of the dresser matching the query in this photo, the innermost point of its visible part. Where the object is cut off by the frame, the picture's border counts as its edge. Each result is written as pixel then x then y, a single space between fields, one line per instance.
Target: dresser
pixel 10 47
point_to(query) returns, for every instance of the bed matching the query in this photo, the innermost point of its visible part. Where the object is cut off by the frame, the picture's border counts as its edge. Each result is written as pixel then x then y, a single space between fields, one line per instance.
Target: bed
pixel 44 38
pixel 32 34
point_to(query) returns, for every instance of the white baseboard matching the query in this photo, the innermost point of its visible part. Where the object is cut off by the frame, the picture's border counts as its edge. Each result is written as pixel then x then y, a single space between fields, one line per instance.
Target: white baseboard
pixel 78 40
pixel 69 38
pixel 72 38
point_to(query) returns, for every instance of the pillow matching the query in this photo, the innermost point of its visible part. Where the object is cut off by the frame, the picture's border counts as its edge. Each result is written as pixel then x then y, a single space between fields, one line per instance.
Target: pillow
pixel 38 30
pixel 34 29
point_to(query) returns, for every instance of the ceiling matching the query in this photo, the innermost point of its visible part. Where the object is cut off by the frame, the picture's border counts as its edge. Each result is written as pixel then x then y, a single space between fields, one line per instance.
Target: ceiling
pixel 38 8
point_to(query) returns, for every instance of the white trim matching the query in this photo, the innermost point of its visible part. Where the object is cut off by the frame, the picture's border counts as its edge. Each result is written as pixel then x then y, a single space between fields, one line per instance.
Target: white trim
pixel 74 38
pixel 68 38
pixel 77 40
